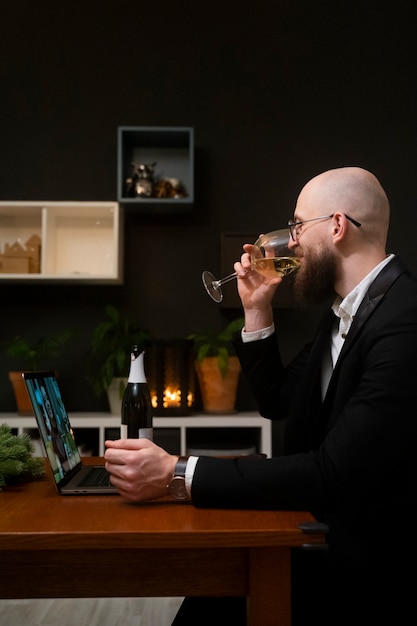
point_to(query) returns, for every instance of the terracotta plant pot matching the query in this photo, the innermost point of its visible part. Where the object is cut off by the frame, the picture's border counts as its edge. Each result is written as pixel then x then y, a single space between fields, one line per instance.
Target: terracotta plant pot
pixel 218 393
pixel 23 403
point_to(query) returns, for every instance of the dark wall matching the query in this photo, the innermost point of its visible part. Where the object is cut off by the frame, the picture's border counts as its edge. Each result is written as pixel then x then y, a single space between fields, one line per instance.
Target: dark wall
pixel 276 92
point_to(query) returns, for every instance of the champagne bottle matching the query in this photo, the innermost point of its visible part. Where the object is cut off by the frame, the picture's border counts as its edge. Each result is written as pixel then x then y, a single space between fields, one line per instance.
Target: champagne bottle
pixel 136 401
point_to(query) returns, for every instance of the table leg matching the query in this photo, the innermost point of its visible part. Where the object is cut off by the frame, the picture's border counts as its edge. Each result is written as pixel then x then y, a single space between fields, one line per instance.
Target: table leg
pixel 269 601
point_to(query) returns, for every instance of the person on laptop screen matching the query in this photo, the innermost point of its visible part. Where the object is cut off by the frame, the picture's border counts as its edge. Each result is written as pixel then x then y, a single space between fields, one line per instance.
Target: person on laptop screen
pixel 59 443
pixel 70 475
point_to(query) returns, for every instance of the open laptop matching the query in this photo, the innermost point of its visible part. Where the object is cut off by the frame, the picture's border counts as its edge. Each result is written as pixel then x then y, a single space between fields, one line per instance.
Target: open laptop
pixel 70 475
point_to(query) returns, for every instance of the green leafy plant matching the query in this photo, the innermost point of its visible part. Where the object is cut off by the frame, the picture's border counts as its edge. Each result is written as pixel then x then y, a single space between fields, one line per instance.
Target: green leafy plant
pixel 33 355
pixel 110 347
pixel 218 344
pixel 16 461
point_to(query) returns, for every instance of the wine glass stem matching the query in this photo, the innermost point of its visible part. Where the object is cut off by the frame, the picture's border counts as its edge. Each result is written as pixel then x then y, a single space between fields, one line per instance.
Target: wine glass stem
pixel 217 283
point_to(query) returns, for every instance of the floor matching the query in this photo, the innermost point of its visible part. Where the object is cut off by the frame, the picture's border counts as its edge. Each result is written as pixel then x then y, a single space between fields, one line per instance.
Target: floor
pixel 89 612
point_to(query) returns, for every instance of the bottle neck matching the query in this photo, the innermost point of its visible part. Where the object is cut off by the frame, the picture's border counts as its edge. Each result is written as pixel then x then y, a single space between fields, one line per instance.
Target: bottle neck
pixel 137 370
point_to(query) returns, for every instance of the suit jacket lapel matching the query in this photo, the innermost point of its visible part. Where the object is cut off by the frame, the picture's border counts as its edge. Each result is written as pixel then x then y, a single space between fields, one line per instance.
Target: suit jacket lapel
pixel 387 276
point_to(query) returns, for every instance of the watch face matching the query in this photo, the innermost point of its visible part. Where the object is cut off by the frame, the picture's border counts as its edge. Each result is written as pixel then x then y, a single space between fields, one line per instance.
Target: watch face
pixel 177 488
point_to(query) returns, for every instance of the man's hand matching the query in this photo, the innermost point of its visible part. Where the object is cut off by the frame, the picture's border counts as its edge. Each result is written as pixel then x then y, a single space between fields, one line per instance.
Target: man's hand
pixel 139 469
pixel 256 293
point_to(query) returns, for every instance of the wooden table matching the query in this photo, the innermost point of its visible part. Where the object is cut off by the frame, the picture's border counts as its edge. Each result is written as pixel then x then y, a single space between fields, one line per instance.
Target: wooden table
pixel 102 546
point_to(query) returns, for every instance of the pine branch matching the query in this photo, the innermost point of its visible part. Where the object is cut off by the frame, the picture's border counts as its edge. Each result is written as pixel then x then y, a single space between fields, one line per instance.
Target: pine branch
pixel 17 463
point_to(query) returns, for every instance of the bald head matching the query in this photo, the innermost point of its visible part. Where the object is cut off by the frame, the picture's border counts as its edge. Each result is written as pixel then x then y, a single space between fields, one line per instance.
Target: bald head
pixel 353 191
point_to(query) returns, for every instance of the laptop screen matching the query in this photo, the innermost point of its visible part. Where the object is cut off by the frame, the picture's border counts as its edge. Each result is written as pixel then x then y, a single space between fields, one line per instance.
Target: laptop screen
pixel 53 424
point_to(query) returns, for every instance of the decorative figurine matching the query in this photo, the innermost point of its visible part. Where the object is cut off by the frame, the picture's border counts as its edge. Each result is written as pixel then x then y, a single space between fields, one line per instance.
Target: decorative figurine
pixel 169 188
pixel 142 181
pixel 144 184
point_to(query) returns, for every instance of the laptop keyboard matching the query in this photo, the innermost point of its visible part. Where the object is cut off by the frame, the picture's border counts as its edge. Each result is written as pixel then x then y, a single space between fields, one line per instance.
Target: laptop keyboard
pixel 96 477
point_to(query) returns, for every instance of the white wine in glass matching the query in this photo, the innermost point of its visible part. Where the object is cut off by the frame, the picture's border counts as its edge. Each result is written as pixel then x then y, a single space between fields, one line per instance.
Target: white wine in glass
pixel 270 257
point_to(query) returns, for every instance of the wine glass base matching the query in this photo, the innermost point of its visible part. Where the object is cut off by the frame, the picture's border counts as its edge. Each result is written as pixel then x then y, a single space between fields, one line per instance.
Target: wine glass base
pixel 213 290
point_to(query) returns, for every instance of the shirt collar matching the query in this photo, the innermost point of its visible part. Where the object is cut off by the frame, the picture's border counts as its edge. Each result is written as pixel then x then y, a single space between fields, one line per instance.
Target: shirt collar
pixel 346 308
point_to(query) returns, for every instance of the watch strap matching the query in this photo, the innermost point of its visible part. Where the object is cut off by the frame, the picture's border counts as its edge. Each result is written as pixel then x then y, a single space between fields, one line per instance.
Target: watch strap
pixel 181 466
pixel 177 486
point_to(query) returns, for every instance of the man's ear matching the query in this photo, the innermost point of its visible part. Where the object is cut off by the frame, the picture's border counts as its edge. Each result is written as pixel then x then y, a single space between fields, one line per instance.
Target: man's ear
pixel 339 227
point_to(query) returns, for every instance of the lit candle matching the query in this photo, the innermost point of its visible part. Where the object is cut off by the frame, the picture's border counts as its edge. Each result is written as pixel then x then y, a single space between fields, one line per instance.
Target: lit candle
pixel 172 397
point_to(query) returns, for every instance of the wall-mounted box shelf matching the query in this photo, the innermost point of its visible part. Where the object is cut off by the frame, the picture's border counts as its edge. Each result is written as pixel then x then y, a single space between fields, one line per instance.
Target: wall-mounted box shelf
pixel 79 242
pixel 172 151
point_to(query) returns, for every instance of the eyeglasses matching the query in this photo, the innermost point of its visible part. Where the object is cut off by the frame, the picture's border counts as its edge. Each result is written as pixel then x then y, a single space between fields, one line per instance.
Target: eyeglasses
pixel 295 227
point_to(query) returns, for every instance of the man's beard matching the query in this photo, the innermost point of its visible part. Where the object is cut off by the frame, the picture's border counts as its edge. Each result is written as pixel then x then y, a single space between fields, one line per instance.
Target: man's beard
pixel 314 281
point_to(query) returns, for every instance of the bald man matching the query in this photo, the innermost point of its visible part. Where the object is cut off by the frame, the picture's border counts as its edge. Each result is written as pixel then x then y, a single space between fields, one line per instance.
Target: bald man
pixel 349 400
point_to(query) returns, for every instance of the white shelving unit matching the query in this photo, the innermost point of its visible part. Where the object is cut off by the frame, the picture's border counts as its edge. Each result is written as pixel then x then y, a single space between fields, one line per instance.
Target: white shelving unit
pixel 79 242
pixel 258 428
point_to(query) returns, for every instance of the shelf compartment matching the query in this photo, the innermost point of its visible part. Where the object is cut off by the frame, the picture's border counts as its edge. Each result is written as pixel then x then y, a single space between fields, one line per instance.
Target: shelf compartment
pixel 171 149
pixel 223 441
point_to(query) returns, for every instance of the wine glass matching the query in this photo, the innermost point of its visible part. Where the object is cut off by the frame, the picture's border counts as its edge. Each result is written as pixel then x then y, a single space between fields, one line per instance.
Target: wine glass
pixel 270 257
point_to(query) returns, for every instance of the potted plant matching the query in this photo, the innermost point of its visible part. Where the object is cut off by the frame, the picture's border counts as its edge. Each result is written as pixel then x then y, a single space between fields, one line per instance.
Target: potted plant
pixel 32 355
pixel 111 343
pixel 217 367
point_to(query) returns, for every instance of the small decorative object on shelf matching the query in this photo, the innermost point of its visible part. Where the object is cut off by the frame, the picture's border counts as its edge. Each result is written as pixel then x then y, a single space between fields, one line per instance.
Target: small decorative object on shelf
pixel 169 188
pixel 142 181
pixel 144 184
pixel 22 259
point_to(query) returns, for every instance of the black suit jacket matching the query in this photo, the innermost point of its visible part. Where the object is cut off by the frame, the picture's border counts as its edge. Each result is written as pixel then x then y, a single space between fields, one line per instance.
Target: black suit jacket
pixel 350 459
